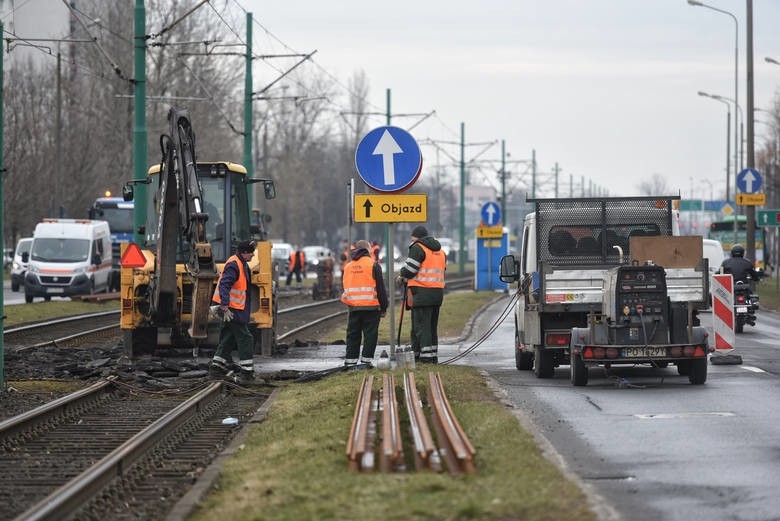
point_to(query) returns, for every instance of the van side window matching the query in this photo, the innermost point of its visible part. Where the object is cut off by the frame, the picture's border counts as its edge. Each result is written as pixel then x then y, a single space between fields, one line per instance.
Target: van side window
pixel 98 247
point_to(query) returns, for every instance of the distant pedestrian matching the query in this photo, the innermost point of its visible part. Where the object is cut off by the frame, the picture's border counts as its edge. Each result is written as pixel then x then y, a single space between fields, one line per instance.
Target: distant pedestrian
pixel 297 266
pixel 365 294
pixel 375 250
pixel 233 296
pixel 423 274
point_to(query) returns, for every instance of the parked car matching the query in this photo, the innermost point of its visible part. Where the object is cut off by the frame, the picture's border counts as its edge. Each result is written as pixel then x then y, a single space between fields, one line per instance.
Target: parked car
pixel 280 254
pixel 446 246
pixel 19 266
pixel 314 255
pixel 398 259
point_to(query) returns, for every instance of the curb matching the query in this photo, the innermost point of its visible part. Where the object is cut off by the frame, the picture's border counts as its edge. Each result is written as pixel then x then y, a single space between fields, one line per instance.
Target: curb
pixel 184 508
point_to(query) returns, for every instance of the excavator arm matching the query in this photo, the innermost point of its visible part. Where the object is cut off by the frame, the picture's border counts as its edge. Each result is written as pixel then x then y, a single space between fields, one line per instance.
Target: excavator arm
pixel 182 222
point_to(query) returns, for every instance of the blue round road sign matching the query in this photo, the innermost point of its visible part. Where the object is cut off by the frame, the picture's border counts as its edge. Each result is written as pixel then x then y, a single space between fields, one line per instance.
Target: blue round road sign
pixel 388 159
pixel 749 181
pixel 491 214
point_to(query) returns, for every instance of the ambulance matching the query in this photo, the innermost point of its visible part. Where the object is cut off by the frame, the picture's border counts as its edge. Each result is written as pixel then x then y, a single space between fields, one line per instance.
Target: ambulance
pixel 68 257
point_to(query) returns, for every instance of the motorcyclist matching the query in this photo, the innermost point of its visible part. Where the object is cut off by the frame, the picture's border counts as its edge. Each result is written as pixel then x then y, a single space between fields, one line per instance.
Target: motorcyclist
pixel 738 266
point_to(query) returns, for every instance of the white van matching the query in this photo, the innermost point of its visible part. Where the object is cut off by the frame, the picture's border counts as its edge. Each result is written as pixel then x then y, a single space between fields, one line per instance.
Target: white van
pixel 68 257
pixel 18 266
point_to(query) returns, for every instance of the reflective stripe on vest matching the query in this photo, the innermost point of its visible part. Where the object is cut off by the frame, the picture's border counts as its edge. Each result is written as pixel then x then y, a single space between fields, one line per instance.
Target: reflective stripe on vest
pixel 359 284
pixel 238 290
pixel 431 272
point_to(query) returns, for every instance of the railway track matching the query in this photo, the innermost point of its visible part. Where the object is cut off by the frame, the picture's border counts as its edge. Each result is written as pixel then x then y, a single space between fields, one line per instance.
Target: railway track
pixel 115 452
pixel 77 330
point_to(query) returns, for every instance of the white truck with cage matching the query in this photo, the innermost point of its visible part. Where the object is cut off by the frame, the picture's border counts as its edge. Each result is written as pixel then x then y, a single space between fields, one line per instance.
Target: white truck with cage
pixel 605 281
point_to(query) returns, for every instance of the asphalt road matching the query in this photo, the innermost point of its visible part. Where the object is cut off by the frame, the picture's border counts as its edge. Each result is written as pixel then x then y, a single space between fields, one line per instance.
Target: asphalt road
pixel 660 448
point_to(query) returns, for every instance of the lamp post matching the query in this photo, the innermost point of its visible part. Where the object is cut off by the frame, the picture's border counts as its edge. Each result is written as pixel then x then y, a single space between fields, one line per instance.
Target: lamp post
pixel 696 3
pixel 728 140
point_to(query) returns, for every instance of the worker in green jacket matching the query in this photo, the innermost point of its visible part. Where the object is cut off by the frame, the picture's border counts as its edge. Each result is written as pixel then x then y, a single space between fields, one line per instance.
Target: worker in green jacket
pixel 423 275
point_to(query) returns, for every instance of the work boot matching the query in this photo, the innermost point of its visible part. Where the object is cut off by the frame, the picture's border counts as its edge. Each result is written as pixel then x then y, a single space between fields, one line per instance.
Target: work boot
pixel 216 372
pixel 246 378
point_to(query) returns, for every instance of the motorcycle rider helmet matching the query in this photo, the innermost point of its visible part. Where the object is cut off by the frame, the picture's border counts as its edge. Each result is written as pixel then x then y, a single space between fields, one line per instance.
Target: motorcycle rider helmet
pixel 737 251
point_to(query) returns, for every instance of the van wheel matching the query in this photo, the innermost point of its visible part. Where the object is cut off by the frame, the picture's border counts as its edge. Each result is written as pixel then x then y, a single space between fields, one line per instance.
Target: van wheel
pixel 544 365
pixel 14 286
pixel 524 361
pixel 47 298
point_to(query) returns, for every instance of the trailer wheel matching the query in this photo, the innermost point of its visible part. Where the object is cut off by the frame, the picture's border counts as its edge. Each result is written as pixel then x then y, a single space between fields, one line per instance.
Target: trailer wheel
pixel 684 367
pixel 579 371
pixel 544 365
pixel 698 373
pixel 524 361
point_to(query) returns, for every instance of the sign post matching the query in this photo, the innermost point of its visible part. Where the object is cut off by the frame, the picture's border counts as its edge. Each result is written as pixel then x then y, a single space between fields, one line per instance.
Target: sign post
pixel 490 237
pixel 389 161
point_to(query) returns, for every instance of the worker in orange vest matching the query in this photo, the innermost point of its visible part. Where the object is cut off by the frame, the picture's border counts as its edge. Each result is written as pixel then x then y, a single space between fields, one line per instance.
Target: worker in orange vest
pixel 365 294
pixel 297 266
pixel 423 274
pixel 232 295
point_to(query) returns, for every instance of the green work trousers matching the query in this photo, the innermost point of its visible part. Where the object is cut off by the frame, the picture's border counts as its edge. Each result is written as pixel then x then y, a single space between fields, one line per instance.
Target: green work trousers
pixel 365 324
pixel 235 335
pixel 425 338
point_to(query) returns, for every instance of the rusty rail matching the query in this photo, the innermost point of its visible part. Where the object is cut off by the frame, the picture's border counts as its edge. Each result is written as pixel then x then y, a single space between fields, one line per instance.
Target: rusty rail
pixel 360 449
pixel 458 451
pixel 392 453
pixel 425 454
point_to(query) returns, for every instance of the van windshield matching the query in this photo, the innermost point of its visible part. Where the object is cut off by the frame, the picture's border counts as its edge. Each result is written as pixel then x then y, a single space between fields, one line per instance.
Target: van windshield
pixel 60 250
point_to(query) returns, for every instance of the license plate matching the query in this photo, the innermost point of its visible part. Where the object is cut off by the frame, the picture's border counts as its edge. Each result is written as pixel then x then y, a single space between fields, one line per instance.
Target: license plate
pixel 54 290
pixel 644 352
pixel 741 309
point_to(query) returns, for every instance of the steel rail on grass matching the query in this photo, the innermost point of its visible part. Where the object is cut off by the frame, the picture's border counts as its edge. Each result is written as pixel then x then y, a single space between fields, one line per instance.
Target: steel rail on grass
pixel 392 452
pixel 359 447
pixel 458 451
pixel 425 454
pixel 70 497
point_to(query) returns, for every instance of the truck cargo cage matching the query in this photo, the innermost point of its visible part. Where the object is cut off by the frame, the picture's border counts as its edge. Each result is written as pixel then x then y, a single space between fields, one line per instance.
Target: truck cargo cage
pixel 585 231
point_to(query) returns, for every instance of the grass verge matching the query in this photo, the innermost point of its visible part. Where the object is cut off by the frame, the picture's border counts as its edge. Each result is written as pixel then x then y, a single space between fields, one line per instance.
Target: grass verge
pixel 294 467
pixel 21 313
pixel 455 312
pixel 769 296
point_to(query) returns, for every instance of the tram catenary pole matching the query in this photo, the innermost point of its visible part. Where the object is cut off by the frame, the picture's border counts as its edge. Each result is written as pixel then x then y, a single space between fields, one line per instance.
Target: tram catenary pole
pixel 2 223
pixel 751 158
pixel 139 108
pixel 248 164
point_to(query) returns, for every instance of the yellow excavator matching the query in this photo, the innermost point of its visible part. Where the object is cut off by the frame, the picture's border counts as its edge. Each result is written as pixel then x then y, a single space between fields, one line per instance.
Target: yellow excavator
pixel 197 213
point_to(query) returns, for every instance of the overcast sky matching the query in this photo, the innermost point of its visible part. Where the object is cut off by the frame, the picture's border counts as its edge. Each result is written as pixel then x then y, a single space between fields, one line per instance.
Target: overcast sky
pixel 606 88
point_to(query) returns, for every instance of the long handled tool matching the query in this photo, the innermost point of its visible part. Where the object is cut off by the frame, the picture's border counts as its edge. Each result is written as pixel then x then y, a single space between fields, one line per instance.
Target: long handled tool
pixel 401 320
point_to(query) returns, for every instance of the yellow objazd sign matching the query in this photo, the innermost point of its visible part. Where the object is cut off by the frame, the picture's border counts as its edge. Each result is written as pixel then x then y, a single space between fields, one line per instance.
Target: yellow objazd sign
pixel 751 199
pixel 391 208
pixel 490 232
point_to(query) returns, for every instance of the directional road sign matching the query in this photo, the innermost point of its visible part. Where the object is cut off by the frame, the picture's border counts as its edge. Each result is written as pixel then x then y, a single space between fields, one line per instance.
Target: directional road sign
pixel 768 217
pixel 749 181
pixel 388 159
pixel 391 208
pixel 751 199
pixel 490 232
pixel 491 214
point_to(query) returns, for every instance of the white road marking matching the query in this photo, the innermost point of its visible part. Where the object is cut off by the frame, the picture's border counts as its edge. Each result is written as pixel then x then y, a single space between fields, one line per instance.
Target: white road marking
pixel 673 415
pixel 754 369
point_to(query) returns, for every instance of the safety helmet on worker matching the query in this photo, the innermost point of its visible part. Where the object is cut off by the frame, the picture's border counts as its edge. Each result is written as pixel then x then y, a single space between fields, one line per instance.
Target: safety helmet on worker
pixel 737 251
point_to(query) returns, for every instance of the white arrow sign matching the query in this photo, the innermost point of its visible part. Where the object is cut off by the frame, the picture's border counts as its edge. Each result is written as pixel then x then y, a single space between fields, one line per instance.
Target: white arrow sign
pixel 386 147
pixel 749 180
pixel 491 211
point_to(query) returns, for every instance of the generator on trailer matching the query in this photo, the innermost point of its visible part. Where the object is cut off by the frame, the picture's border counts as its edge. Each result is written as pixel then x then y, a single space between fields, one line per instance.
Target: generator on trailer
pixel 197 213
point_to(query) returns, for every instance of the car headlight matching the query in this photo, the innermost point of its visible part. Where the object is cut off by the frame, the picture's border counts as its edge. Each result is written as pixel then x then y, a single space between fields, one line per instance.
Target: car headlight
pixel 15 265
pixel 80 270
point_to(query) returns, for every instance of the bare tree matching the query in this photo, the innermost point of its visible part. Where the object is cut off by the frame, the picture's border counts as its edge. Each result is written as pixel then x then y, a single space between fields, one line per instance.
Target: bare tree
pixel 656 185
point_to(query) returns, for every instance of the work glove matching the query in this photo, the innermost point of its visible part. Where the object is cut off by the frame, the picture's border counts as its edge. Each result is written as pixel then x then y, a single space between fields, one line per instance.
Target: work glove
pixel 227 316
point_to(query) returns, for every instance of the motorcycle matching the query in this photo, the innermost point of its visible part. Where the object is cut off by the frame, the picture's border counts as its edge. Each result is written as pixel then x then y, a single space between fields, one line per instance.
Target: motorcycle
pixel 745 306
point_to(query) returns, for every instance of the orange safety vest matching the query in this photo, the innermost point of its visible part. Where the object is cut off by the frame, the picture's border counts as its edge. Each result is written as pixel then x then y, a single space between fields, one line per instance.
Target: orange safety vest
pixel 238 291
pixel 359 284
pixel 294 260
pixel 431 272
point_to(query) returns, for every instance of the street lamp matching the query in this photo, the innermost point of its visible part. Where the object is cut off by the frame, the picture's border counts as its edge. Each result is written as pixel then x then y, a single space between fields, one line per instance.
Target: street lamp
pixel 696 3
pixel 771 60
pixel 728 139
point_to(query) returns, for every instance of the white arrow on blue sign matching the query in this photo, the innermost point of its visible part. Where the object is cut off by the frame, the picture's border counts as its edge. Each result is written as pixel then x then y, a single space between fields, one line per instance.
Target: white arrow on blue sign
pixel 749 181
pixel 491 214
pixel 388 159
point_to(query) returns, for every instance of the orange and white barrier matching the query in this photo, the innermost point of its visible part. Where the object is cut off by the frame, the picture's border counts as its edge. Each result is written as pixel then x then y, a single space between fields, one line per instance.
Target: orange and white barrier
pixel 723 312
